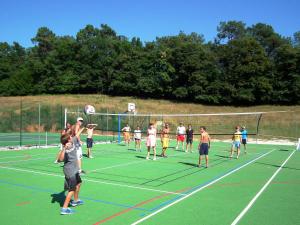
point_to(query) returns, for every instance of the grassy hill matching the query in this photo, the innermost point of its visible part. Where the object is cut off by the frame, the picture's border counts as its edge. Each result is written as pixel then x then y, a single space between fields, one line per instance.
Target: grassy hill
pixel 52 110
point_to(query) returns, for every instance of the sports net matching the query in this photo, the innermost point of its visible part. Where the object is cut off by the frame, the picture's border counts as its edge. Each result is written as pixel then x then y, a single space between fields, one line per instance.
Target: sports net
pixel 220 126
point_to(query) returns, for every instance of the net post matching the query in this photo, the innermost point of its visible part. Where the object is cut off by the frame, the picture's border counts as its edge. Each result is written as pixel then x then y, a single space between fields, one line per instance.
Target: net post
pixel 39 124
pixel 119 128
pixel 21 105
pixel 257 126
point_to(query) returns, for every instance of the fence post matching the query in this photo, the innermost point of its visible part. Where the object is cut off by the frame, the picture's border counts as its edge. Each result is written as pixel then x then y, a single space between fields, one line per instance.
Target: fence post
pixel 21 122
pixel 119 129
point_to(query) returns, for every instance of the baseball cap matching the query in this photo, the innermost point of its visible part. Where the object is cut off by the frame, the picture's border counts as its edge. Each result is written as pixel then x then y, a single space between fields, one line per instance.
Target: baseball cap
pixel 79 119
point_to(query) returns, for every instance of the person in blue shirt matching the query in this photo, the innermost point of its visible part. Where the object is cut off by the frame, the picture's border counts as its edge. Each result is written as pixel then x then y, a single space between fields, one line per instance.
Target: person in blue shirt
pixel 244 137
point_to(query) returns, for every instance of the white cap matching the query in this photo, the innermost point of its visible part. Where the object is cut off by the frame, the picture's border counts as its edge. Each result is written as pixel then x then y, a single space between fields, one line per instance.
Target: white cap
pixel 79 119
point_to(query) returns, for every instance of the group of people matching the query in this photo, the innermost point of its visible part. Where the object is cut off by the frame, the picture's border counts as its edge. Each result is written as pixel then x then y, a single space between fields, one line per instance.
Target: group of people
pixel 71 150
pixel 183 136
pixel 71 154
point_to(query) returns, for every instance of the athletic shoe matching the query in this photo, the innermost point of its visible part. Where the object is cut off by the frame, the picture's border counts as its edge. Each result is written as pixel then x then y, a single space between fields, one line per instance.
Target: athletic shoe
pixel 154 158
pixel 91 157
pixel 66 211
pixel 176 148
pixel 55 161
pixel 76 203
pixel 147 158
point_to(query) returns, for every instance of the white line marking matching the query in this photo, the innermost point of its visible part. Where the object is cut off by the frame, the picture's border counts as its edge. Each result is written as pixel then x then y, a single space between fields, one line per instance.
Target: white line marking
pixel 24 160
pixel 238 218
pixel 93 181
pixel 199 189
pixel 129 163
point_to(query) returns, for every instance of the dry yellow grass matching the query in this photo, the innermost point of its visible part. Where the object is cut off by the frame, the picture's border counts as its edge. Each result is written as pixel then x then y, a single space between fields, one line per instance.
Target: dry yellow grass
pixel 119 104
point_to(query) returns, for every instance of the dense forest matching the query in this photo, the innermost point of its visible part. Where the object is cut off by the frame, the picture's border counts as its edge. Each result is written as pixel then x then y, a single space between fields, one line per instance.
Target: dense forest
pixel 242 66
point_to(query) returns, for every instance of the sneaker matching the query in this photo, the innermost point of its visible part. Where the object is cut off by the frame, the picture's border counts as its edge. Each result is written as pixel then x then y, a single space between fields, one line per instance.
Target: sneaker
pixel 66 211
pixel 154 158
pixel 176 148
pixel 147 158
pixel 55 161
pixel 76 203
pixel 91 157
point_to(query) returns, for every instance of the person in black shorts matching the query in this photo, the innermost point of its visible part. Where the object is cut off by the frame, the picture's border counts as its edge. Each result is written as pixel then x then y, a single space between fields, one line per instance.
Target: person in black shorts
pixel 71 171
pixel 204 145
pixel 189 138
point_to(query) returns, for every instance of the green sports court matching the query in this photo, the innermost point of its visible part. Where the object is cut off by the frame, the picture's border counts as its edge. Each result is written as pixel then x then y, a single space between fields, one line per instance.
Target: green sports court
pixel 121 187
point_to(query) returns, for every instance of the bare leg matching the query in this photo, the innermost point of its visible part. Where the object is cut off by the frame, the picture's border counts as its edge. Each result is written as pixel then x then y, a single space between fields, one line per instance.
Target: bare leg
pixel 238 153
pixel 148 153
pixel 206 159
pixel 231 151
pixel 76 194
pixel 199 163
pixel 154 153
pixel 68 199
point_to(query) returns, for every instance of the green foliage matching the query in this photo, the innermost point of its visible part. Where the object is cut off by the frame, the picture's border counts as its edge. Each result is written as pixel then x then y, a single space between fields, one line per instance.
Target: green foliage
pixel 244 66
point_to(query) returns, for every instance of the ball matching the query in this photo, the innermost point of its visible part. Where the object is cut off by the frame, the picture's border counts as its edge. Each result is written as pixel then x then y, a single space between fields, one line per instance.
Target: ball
pixel 89 109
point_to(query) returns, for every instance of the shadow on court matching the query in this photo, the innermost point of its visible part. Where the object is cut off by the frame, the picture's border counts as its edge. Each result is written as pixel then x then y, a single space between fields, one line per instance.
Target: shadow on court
pixel 58 198
pixel 223 156
pixel 189 164
pixel 273 165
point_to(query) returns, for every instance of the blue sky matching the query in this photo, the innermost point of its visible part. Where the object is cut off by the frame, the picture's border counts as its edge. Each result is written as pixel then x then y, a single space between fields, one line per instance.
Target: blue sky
pixel 19 20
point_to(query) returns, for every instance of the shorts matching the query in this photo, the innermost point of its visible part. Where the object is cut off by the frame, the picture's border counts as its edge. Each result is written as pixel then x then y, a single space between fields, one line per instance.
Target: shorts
pixel 126 136
pixel 236 144
pixel 151 141
pixel 72 182
pixel 137 139
pixel 165 142
pixel 180 137
pixel 189 141
pixel 79 153
pixel 203 150
pixel 89 142
pixel 244 141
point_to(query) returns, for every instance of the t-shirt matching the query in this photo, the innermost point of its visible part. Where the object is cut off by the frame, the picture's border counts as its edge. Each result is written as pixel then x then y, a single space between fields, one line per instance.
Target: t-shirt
pixel 189 134
pixel 126 129
pixel 70 160
pixel 90 133
pixel 237 136
pixel 137 134
pixel 181 130
pixel 244 134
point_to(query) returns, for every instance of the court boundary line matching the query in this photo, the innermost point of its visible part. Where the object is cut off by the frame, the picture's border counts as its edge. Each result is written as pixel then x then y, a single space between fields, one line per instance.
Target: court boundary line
pixel 91 180
pixel 201 188
pixel 251 203
pixel 44 190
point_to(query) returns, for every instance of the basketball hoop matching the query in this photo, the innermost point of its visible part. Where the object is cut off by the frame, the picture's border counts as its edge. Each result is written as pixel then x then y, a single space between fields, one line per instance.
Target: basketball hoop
pixel 131 107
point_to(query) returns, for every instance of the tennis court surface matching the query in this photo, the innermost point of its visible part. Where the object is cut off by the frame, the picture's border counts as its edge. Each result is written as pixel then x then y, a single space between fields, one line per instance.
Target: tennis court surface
pixel 121 187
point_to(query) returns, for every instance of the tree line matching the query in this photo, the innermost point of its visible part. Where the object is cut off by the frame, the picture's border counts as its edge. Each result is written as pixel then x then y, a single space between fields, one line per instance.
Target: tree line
pixel 241 66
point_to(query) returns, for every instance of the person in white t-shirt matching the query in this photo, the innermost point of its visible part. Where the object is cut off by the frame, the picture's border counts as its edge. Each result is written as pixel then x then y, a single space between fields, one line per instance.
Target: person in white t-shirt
pixel 180 132
pixel 137 133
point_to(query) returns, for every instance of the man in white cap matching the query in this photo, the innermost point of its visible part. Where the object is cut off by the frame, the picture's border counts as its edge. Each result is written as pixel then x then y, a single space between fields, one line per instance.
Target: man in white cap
pixel 75 130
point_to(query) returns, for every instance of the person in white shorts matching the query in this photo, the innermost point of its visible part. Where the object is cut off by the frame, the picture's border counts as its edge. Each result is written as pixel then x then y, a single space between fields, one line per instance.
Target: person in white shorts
pixel 137 137
pixel 151 141
pixel 75 130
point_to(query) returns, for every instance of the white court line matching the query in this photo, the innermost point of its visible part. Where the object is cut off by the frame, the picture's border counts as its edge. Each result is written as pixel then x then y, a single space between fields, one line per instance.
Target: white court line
pixel 26 155
pixel 238 218
pixel 93 181
pixel 25 160
pixel 129 163
pixel 200 188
